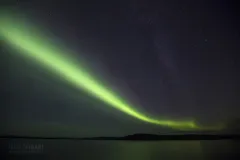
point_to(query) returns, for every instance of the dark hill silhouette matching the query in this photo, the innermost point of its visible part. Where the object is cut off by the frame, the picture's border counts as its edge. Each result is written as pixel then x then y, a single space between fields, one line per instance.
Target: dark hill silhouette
pixel 143 137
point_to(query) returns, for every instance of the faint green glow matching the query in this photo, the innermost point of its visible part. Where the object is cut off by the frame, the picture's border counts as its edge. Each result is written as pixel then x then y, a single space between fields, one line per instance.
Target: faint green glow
pixel 33 45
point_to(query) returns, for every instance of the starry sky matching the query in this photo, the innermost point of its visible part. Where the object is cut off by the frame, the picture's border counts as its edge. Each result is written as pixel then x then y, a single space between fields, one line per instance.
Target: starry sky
pixel 171 59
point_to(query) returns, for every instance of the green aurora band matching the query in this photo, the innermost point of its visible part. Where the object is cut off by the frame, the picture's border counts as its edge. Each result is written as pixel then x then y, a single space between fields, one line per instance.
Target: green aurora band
pixel 33 45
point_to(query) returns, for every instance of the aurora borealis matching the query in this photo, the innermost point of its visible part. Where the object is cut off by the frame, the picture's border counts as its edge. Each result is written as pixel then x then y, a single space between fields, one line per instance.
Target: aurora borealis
pixel 35 47
pixel 116 68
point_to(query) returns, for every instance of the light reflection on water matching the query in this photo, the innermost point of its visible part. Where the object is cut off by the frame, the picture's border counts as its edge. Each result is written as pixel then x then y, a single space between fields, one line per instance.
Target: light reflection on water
pixel 118 150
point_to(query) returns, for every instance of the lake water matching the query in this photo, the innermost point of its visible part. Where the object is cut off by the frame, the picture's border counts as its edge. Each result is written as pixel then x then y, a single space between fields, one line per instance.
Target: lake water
pixel 118 150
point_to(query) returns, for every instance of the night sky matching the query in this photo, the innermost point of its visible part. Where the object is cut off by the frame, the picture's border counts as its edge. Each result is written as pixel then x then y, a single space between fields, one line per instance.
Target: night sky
pixel 172 59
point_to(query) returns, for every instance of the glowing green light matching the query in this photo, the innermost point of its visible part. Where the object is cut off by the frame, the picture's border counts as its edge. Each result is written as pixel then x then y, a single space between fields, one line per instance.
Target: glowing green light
pixel 36 47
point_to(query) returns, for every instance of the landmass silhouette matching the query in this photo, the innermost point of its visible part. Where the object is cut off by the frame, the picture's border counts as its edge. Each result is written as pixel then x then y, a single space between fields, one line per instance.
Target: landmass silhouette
pixel 144 137
pixel 232 131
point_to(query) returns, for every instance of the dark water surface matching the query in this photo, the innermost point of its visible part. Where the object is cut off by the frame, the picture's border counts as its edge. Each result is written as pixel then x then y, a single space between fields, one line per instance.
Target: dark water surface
pixel 118 150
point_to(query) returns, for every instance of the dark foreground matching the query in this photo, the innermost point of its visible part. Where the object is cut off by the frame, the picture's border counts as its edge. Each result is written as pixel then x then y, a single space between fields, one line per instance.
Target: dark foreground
pixel 220 148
